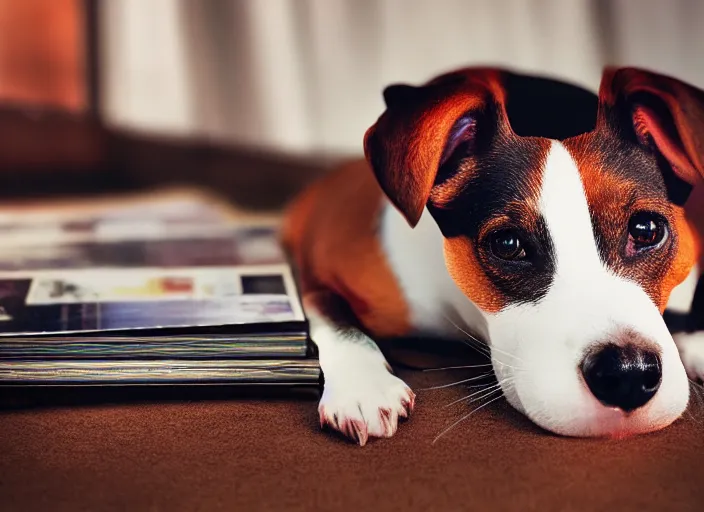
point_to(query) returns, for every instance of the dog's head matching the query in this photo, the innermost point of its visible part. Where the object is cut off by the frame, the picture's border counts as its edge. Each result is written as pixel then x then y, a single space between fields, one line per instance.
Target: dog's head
pixel 563 222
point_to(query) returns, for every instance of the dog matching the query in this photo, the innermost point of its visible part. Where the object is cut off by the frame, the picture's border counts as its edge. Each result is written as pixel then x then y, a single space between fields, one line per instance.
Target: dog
pixel 549 222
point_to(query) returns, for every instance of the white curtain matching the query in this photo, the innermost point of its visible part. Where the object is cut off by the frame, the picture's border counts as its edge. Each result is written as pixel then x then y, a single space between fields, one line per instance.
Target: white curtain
pixel 307 75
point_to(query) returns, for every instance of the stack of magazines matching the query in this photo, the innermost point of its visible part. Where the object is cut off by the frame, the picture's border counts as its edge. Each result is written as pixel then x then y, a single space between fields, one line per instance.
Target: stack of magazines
pixel 170 290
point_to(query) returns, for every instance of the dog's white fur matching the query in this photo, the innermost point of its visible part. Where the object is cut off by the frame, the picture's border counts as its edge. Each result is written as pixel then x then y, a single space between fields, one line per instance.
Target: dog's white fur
pixel 691 347
pixel 358 384
pixel 535 348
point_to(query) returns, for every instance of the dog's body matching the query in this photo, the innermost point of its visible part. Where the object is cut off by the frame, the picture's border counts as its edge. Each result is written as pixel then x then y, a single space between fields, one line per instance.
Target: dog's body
pixel 545 221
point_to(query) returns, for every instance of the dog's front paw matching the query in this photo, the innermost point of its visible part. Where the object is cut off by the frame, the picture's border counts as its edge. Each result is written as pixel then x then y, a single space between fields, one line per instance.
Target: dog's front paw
pixel 691 347
pixel 363 404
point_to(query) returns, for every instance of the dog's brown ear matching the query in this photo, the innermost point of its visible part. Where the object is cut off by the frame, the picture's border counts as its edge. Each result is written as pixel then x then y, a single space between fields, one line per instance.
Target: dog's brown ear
pixel 422 128
pixel 665 114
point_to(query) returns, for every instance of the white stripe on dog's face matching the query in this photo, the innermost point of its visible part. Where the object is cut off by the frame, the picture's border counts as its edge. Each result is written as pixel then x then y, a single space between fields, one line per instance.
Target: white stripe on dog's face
pixel 564 207
pixel 538 347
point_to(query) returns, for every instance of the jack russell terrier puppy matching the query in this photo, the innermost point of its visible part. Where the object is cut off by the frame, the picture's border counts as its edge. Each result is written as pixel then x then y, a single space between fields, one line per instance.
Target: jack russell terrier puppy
pixel 549 222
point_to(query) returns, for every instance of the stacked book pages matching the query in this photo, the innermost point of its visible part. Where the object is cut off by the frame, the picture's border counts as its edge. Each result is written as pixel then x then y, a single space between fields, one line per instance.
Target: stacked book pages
pixel 154 290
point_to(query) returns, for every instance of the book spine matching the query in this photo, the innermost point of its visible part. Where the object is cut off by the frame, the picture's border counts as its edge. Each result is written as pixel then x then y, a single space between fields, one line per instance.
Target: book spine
pixel 77 373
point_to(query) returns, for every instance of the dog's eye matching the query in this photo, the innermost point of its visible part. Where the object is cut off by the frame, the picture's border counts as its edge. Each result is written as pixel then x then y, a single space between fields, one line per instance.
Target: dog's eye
pixel 646 229
pixel 506 244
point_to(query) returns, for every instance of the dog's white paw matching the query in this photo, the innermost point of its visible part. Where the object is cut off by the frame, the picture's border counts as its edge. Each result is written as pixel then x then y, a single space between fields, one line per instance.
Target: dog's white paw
pixel 691 348
pixel 364 402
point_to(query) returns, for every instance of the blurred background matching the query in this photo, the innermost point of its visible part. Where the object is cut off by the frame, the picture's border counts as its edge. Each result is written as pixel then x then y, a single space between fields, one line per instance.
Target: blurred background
pixel 300 78
pixel 307 74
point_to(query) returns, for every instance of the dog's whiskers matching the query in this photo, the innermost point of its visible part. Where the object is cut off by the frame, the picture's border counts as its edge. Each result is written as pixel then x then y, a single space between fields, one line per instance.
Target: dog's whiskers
pixel 503 352
pixel 696 384
pixel 457 367
pixel 463 418
pixel 486 351
pixel 475 339
pixel 485 391
pixel 479 349
pixel 478 377
pixel 499 361
pixel 698 392
pixel 486 395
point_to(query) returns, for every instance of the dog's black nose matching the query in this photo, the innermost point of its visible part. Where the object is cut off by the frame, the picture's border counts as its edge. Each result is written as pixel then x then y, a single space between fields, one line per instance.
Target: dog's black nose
pixel 624 377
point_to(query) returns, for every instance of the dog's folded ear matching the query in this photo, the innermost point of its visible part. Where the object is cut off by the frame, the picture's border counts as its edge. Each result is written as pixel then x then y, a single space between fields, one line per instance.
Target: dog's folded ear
pixel 664 114
pixel 423 127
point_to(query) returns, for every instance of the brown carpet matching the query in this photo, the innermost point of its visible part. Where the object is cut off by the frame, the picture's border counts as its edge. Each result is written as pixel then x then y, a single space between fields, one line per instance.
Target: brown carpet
pixel 226 450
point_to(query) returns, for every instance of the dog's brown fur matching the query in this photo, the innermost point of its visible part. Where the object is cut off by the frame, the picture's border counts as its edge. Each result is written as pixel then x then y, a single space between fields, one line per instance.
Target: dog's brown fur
pixel 332 233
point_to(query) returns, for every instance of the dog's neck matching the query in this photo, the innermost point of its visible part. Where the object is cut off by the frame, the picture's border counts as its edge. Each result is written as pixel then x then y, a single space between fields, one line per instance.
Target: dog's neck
pixel 435 302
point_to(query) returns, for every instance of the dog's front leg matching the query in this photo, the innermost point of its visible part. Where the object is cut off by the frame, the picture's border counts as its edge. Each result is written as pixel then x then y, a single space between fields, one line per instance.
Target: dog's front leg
pixel 691 343
pixel 361 397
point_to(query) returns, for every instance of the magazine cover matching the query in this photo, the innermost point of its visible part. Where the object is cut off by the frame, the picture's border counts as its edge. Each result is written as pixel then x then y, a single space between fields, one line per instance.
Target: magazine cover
pixel 147 298
pixel 170 264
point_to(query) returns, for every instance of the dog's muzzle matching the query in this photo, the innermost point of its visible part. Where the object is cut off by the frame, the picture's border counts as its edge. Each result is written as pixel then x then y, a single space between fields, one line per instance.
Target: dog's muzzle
pixel 624 377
